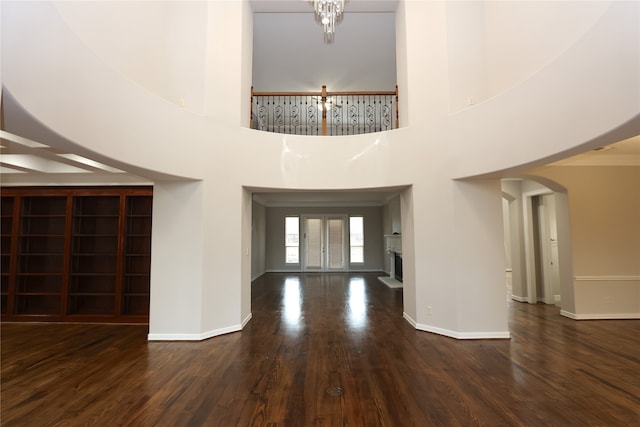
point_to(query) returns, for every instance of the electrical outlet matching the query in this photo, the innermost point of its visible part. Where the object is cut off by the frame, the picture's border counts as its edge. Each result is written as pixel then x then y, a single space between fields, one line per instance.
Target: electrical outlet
pixel 429 310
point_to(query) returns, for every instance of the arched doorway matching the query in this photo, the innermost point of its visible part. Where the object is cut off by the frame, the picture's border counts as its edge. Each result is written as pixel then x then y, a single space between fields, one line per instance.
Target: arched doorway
pixel 539 241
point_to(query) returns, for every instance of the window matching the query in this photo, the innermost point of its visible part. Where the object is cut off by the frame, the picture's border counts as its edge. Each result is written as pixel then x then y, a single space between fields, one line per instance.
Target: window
pixel 356 238
pixel 292 239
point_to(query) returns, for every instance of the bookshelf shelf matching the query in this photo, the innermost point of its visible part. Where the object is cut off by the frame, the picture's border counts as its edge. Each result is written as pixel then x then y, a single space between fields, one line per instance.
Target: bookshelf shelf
pixel 76 254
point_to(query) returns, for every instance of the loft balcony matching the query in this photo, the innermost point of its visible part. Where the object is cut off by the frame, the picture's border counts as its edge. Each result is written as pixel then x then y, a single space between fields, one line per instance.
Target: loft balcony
pixel 324 113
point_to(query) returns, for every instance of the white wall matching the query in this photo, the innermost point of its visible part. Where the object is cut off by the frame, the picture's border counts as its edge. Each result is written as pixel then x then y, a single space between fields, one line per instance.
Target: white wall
pixel 559 93
pixel 507 233
pixel 466 53
pixel 258 240
pixel 158 45
pixel 289 57
pixel 177 261
pixel 604 207
pixel 483 63
pixel 538 33
pixel 452 233
pixel 373 235
pixel 392 223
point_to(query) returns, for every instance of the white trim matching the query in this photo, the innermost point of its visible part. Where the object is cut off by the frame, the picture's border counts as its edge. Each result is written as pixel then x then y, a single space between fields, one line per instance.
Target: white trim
pixel 195 337
pixel 529 249
pixel 253 279
pixel 600 316
pixel 463 335
pixel 174 337
pixel 519 299
pixel 222 331
pixel 409 319
pixel 457 335
pixel 350 270
pixel 246 320
pixel 505 335
pixel 606 278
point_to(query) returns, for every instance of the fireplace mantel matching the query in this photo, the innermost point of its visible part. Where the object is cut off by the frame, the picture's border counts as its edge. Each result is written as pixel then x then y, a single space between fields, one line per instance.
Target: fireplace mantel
pixel 393 243
pixel 393 247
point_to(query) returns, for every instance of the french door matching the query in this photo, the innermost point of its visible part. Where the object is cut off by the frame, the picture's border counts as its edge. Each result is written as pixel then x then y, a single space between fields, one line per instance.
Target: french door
pixel 325 243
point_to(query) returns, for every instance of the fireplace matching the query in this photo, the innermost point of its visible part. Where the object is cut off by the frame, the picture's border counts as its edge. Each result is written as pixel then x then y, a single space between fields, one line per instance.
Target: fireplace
pixel 393 249
pixel 398 266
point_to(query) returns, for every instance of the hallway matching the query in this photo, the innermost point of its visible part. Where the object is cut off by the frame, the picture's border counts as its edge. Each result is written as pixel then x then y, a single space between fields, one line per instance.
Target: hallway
pixel 330 350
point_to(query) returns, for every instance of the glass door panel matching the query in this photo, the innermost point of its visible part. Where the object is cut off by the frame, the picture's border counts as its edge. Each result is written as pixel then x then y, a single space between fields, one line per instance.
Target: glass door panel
pixel 324 243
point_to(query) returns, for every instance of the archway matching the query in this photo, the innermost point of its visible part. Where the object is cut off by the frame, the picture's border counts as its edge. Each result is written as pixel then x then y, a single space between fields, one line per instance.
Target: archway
pixel 540 241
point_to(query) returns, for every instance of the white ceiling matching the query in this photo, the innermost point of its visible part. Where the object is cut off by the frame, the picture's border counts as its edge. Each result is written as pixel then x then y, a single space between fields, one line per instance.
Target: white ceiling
pixel 325 198
pixel 305 6
pixel 289 52
pixel 623 153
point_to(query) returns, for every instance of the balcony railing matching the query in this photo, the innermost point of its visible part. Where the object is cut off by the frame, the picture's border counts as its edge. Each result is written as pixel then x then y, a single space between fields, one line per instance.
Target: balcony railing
pixel 324 113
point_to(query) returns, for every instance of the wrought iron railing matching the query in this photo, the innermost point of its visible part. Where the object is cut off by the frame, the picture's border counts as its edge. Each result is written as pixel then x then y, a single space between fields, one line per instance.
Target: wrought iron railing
pixel 324 113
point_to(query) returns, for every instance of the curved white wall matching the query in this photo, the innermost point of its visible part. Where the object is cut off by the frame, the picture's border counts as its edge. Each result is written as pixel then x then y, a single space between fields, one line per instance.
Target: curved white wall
pixel 159 45
pixel 453 231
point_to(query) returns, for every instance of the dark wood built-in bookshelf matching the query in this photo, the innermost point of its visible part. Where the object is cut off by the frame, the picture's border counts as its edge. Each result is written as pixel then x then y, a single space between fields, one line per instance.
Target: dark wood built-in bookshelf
pixel 76 254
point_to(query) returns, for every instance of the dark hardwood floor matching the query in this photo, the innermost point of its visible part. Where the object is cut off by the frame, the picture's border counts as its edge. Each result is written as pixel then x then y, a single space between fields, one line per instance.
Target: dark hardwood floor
pixel 325 350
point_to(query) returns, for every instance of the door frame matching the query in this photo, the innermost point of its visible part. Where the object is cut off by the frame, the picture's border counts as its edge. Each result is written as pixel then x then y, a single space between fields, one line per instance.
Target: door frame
pixel 324 242
pixel 529 249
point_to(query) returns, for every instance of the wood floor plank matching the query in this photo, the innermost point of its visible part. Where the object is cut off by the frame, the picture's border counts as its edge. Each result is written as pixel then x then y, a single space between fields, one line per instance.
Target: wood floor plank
pixel 325 350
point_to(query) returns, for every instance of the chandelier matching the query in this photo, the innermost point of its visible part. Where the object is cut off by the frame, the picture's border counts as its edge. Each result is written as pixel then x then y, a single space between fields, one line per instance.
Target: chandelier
pixel 327 13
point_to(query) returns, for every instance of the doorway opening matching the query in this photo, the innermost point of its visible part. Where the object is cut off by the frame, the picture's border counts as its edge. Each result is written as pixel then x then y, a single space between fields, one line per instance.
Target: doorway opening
pixel 537 241
pixel 333 232
pixel 543 256
pixel 324 243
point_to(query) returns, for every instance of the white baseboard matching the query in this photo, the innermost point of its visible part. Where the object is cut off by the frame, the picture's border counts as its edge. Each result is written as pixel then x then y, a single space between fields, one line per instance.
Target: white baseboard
pixel 352 270
pixel 197 337
pixel 174 337
pixel 607 278
pixel 246 320
pixel 600 316
pixel 410 320
pixel 457 335
pixel 519 298
pixel 464 335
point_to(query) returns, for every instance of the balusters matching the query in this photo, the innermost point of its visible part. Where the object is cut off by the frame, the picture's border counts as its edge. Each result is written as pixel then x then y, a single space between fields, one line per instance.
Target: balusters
pixel 324 113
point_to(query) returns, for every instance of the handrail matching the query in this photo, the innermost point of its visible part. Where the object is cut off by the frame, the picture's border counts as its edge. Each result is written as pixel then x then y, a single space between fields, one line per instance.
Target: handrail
pixel 355 117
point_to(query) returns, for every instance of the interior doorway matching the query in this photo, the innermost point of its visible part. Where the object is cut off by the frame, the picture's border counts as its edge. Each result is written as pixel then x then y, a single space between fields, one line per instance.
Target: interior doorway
pixel 545 248
pixel 537 227
pixel 324 243
pixel 542 256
